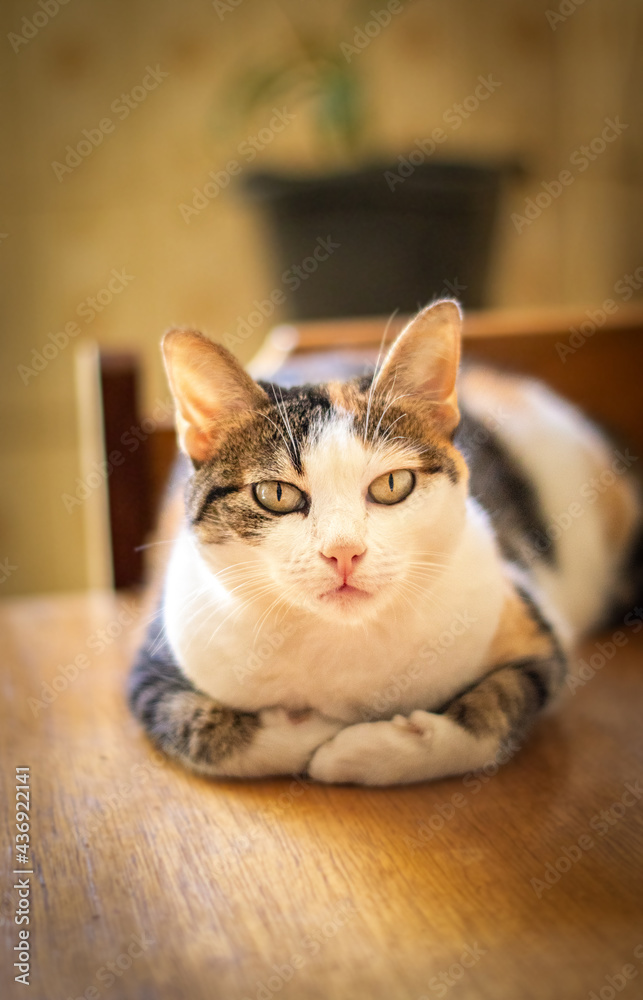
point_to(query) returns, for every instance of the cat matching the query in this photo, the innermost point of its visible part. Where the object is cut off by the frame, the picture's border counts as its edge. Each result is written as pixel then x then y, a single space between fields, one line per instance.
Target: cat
pixel 377 581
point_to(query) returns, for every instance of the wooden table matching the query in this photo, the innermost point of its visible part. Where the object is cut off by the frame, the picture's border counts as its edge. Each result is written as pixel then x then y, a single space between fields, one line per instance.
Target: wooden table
pixel 153 883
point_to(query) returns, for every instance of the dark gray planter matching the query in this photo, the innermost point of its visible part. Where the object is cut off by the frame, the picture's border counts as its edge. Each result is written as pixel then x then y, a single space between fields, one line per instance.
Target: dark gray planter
pixel 398 244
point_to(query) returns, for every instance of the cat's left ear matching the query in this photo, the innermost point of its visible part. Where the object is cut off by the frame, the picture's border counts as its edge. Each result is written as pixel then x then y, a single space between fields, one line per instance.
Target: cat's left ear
pixel 211 390
pixel 423 363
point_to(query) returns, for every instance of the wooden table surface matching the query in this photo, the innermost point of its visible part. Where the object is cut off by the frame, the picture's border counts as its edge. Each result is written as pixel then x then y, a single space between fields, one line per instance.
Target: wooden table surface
pixel 152 884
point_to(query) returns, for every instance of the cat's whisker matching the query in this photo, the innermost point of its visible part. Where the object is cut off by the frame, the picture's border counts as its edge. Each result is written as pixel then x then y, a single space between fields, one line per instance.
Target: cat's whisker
pixel 287 423
pixel 428 580
pixel 237 610
pixel 195 603
pixel 398 587
pixel 244 562
pixel 260 413
pixel 384 437
pixel 428 564
pixel 396 399
pixel 264 616
pixel 253 597
pixel 192 598
pixel 256 581
pixel 151 545
pixel 438 567
pixel 257 574
pixel 425 572
pixel 430 552
pixel 376 373
pixel 427 594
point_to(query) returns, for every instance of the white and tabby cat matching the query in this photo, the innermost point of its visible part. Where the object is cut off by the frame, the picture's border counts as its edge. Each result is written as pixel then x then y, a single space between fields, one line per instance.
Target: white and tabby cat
pixel 365 586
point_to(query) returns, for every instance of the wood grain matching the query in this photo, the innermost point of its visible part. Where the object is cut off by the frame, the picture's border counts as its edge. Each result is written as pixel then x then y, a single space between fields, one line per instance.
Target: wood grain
pixel 482 323
pixel 285 889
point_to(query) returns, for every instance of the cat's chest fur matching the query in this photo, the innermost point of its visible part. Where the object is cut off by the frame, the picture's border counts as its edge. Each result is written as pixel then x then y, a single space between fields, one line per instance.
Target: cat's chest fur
pixel 428 646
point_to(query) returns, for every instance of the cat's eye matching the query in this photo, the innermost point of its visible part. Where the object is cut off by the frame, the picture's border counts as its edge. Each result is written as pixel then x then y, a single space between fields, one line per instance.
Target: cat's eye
pixel 392 487
pixel 278 497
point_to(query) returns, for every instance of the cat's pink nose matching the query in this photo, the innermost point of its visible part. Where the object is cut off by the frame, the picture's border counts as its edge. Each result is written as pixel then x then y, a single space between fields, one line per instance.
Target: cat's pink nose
pixel 344 558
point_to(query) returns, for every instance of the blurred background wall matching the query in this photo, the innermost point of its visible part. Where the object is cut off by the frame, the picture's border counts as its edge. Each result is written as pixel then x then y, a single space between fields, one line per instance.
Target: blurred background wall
pixel 104 245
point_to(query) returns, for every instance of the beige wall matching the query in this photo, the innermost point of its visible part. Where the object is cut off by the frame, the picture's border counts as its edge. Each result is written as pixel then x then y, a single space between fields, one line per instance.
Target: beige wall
pixel 119 208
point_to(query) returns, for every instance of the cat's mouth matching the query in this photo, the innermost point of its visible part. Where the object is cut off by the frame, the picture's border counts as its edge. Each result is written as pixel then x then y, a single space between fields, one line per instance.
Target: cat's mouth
pixel 345 592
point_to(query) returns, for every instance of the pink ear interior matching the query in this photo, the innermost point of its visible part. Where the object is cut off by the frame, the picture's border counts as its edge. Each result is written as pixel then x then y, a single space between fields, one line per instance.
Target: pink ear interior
pixel 423 362
pixel 210 389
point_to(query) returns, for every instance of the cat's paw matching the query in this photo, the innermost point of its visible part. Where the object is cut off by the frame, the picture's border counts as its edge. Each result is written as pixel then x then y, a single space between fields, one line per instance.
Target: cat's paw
pixel 286 740
pixel 376 753
pixel 418 722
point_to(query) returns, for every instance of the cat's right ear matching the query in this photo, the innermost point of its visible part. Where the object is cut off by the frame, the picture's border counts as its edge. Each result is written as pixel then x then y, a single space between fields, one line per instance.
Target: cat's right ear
pixel 211 391
pixel 422 364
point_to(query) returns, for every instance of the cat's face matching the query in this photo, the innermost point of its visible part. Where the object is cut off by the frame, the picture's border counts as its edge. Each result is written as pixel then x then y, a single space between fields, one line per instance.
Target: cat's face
pixel 339 499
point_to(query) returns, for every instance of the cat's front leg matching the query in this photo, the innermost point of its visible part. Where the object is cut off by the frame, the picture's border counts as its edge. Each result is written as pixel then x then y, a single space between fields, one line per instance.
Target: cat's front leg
pixel 399 751
pixel 469 733
pixel 285 742
pixel 211 738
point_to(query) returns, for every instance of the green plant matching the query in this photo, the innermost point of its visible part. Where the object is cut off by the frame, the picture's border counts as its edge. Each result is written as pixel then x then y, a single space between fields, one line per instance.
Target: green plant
pixel 310 71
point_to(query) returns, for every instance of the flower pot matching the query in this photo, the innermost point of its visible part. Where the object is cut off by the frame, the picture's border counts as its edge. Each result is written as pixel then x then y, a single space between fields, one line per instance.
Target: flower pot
pixel 370 242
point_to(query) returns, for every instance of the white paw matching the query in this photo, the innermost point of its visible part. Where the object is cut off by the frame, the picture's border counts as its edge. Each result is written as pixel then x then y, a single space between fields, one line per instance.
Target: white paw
pixel 285 741
pixel 374 753
pixel 422 747
pixel 419 722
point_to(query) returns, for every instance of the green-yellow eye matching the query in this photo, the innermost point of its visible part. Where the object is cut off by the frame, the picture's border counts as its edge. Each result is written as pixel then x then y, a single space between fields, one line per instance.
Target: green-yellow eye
pixel 392 486
pixel 280 498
